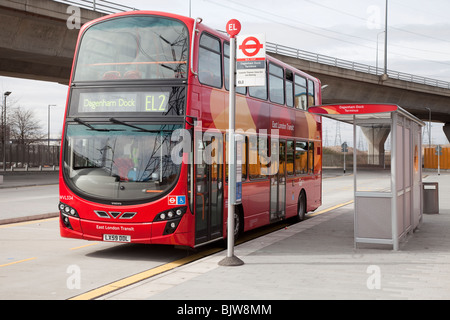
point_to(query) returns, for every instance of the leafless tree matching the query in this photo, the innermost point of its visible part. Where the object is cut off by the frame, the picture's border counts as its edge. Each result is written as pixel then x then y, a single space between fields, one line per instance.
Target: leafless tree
pixel 24 126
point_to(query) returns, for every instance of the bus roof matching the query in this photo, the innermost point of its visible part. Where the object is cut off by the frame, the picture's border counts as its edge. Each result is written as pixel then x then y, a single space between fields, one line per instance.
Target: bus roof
pixel 190 23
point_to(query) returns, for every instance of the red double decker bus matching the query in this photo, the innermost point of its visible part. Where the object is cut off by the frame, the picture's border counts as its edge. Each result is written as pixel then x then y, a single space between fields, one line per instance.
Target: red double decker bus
pixel 144 140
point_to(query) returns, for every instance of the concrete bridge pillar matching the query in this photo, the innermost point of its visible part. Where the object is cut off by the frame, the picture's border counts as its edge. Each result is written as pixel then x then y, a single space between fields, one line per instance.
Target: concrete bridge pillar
pixel 446 129
pixel 376 138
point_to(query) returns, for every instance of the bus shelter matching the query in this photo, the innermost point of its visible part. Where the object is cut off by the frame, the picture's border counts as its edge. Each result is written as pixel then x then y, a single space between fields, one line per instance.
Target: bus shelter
pixel 387 190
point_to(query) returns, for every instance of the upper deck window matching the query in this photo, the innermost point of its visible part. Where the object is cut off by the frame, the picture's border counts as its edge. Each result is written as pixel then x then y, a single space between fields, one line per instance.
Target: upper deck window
pixel 276 83
pixel 210 61
pixel 311 96
pixel 138 47
pixel 300 93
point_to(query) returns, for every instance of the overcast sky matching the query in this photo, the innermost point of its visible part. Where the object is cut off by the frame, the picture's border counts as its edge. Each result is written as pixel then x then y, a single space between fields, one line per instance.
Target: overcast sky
pixel 418 38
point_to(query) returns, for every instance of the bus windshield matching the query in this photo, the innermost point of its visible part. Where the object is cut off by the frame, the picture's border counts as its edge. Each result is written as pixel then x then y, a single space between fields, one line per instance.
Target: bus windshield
pixel 120 161
pixel 138 47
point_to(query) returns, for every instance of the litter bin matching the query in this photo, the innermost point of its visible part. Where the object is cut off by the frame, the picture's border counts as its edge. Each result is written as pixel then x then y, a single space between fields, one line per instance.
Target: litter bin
pixel 430 197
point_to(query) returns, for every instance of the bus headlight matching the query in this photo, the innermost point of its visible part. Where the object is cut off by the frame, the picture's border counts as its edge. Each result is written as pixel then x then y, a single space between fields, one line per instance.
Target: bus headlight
pixel 173 218
pixel 67 211
pixel 170 214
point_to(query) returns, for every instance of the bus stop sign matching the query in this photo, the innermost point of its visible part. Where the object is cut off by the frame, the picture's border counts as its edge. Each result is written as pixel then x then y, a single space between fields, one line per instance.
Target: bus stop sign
pixel 344 147
pixel 233 27
pixel 251 61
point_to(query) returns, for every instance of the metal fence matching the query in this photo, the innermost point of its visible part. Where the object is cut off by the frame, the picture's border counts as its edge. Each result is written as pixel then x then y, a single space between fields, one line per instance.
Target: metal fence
pixel 431 160
pixel 30 156
pixel 98 5
pixel 336 160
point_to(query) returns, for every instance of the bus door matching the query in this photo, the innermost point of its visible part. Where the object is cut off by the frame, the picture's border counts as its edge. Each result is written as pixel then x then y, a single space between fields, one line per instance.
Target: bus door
pixel 209 192
pixel 278 183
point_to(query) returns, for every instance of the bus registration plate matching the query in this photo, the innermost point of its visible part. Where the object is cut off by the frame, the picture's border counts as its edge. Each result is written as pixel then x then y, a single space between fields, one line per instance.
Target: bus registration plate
pixel 116 238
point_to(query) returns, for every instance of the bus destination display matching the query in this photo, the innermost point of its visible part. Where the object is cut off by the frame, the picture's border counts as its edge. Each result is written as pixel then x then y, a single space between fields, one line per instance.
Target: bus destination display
pixel 100 102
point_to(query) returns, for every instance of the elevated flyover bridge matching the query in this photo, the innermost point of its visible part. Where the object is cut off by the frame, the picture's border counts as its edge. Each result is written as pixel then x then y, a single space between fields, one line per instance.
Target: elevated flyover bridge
pixel 37 41
pixel 352 82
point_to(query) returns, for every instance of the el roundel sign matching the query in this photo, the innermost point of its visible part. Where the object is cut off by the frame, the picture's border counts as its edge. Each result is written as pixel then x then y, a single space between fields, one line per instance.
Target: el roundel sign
pixel 251 60
pixel 251 48
pixel 233 27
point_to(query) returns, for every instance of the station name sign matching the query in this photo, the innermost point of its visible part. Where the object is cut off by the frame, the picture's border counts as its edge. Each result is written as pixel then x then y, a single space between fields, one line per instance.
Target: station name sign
pixel 353 108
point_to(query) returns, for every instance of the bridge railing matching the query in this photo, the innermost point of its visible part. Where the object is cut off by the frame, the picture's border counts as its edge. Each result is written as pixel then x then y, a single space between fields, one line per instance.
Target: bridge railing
pixel 351 65
pixel 98 5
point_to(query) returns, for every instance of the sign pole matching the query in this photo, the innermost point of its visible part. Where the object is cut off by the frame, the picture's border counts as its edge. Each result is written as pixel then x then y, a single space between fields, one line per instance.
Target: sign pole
pixel 439 153
pixel 233 28
pixel 344 160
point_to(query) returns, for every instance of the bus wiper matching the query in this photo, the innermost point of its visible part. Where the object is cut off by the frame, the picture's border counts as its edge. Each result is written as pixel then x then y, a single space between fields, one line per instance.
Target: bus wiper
pixel 84 123
pixel 114 120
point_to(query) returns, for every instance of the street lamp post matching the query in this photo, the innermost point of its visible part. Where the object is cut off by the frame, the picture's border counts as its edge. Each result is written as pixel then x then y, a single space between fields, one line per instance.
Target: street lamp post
pixel 7 93
pixel 385 39
pixel 377 50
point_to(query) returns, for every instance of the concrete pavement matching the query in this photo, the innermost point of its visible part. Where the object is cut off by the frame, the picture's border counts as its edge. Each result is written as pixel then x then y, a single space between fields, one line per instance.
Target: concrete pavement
pixel 317 259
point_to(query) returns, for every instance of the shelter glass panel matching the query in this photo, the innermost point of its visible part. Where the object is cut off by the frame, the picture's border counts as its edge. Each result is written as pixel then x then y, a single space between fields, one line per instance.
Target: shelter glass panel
pixel 373 155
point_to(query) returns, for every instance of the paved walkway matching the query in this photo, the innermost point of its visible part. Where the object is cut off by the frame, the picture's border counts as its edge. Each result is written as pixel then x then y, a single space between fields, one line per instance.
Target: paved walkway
pixel 28 196
pixel 317 259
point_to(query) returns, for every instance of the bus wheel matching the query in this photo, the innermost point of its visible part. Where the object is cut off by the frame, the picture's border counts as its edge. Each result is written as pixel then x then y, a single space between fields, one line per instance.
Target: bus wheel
pixel 301 206
pixel 238 223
